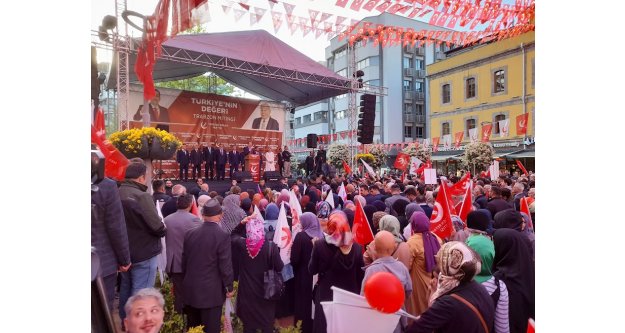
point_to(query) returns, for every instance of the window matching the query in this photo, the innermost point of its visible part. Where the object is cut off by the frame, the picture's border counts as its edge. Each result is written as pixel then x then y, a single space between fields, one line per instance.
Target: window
pixel 407 85
pixel 321 115
pixel 470 123
pixel 498 118
pixel 298 121
pixel 342 72
pixel 418 64
pixel 418 86
pixel 499 80
pixel 370 61
pixel 306 119
pixel 341 96
pixel 419 110
pixel 407 108
pixel 407 62
pixel 340 53
pixel 408 131
pixel 470 90
pixel 445 129
pixel 340 114
pixel 373 82
pixel 446 93
pixel 419 132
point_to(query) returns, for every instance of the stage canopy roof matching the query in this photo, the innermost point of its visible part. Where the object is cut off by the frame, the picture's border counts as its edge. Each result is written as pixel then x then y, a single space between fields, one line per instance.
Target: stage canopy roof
pixel 254 61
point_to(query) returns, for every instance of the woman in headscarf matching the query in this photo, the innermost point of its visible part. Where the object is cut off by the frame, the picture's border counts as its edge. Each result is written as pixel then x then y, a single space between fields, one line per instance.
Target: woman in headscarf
pixel 255 311
pixel 300 257
pixel 262 205
pixel 350 205
pixel 323 213
pixel 401 252
pixel 256 199
pixel 410 209
pixel 338 261
pixel 271 219
pixel 233 214
pixel 423 248
pixel 496 288
pixel 246 205
pixel 457 295
pixel 514 266
pixel 461 234
pixel 511 219
pixel 369 210
pixel 377 216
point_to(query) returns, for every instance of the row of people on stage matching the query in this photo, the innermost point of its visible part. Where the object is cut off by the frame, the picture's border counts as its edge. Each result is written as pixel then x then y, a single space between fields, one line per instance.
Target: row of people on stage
pixel 215 157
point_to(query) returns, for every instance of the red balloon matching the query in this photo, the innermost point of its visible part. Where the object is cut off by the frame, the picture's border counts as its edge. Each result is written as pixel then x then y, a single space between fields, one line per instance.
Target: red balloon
pixel 384 292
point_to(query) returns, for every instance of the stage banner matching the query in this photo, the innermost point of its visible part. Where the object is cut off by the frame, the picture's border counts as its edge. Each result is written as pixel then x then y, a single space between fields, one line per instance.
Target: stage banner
pixel 204 119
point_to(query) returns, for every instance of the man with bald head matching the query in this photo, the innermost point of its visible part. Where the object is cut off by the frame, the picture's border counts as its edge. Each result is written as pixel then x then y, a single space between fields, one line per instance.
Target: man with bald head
pixel 385 245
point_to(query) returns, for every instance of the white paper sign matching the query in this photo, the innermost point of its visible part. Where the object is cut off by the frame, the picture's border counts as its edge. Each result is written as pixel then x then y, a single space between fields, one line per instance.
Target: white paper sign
pixel 494 170
pixel 430 176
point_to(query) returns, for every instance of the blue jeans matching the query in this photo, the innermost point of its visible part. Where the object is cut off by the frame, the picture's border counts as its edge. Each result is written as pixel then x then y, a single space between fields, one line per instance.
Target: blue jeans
pixel 141 275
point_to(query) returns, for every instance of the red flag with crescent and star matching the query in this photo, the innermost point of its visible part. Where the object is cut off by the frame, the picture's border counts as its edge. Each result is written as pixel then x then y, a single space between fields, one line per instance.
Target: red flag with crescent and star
pixel 460 187
pixel 521 124
pixel 440 222
pixel 361 229
pixel 402 162
pixel 486 130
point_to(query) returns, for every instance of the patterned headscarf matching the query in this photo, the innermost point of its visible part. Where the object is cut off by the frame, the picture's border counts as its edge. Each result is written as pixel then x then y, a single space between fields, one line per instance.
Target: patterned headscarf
pixel 323 209
pixel 339 233
pixel 232 212
pixel 457 263
pixel 391 224
pixel 377 216
pixel 310 225
pixel 255 237
pixel 421 224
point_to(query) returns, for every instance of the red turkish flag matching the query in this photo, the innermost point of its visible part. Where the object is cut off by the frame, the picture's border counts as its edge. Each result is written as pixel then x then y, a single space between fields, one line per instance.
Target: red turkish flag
pixel 521 124
pixel 402 162
pixel 466 204
pixel 520 165
pixel 435 142
pixel 348 170
pixel 440 221
pixel 458 139
pixel 115 162
pixel 525 208
pixel 460 187
pixel 361 229
pixel 486 130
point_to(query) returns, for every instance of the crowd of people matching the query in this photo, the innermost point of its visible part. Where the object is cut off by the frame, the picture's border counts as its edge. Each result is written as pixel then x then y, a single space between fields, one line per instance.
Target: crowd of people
pixel 480 279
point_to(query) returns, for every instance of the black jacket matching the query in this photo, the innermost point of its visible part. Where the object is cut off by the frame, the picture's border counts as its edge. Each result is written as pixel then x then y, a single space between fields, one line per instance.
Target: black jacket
pixel 207 266
pixel 143 224
pixel 449 315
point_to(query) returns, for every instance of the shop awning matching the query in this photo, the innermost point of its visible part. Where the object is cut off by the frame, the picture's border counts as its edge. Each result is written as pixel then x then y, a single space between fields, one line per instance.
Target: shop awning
pixel 444 156
pixel 523 154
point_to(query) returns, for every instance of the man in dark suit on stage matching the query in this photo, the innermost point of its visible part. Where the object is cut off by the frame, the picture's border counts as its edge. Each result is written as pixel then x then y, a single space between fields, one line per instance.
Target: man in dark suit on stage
pixel 158 114
pixel 310 164
pixel 207 156
pixel 320 160
pixel 234 159
pixel 265 122
pixel 207 270
pixel 183 160
pixel 220 158
pixel 196 163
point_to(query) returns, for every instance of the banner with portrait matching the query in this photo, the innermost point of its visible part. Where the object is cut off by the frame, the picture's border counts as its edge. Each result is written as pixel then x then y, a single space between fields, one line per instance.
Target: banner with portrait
pixel 204 119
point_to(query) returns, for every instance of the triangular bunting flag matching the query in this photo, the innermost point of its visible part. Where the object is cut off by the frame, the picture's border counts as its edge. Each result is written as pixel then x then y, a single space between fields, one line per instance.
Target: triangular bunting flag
pixel 313 16
pixel 288 8
pixel 276 17
pixel 324 16
pixel 238 13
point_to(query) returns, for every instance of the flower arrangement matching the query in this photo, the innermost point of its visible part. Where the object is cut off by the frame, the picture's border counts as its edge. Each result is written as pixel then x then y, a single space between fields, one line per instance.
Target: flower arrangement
pixel 337 153
pixel 421 152
pixel 138 142
pixel 369 158
pixel 478 155
pixel 380 156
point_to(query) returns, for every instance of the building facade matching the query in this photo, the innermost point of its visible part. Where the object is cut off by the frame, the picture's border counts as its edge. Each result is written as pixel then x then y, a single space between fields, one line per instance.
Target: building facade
pixel 481 85
pixel 401 114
